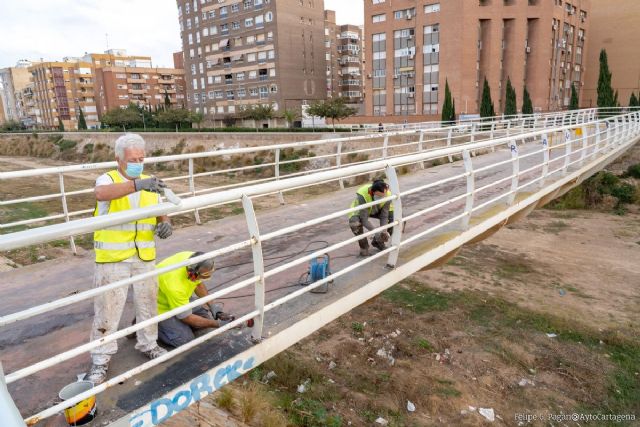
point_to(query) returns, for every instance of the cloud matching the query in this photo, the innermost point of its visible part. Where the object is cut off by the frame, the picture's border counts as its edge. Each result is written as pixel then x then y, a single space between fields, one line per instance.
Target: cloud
pixel 53 29
pixel 347 12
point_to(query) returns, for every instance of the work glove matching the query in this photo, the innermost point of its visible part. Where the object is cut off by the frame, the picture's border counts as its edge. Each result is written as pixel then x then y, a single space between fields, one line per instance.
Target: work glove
pixel 382 237
pixel 164 230
pixel 149 184
pixel 218 314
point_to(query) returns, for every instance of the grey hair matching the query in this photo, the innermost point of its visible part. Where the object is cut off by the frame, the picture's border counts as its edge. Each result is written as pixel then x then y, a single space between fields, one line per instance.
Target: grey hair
pixel 205 265
pixel 128 140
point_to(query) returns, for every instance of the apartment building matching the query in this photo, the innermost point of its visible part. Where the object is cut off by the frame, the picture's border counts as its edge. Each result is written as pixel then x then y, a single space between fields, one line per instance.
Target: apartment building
pixel 413 47
pixel 13 80
pixel 345 66
pixel 117 58
pixel 239 53
pixel 613 28
pixel 61 89
pixel 116 87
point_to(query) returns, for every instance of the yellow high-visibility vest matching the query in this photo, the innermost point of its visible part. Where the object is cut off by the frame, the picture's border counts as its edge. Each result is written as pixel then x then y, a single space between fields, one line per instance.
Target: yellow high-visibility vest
pixel 120 242
pixel 364 192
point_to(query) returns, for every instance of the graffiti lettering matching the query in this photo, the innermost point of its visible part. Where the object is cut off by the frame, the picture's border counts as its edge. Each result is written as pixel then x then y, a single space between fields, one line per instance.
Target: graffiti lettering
pixel 163 408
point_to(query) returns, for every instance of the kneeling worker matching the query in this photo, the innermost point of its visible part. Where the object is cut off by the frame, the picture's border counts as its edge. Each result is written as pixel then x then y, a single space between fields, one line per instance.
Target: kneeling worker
pixel 359 220
pixel 176 288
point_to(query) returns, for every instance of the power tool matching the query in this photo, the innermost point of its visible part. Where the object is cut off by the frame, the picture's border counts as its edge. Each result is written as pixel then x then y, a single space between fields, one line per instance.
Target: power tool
pixel 319 268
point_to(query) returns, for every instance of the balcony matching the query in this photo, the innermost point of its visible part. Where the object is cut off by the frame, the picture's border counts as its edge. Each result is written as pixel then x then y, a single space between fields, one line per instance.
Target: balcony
pixel 137 91
pixel 136 80
pixel 167 81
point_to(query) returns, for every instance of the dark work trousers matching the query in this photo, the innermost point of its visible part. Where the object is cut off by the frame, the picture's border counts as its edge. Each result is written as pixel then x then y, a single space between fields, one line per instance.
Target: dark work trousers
pixel 357 228
pixel 174 332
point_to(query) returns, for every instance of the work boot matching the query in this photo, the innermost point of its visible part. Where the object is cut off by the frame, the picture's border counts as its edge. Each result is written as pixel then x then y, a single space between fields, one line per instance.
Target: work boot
pixel 364 252
pixel 98 373
pixel 155 352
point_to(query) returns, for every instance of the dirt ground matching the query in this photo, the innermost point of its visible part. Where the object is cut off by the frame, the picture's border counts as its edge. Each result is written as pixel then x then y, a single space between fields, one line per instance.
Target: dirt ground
pixel 472 334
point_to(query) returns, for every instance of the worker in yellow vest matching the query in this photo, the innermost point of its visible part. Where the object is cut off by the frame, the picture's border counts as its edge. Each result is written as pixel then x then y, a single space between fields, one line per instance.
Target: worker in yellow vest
pixel 126 250
pixel 359 220
pixel 176 288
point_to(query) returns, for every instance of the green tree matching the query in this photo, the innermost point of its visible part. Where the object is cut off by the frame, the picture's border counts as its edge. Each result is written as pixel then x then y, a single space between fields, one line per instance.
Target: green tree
pixel 60 125
pixel 486 104
pixel 510 105
pixel 573 104
pixel 453 114
pixel 197 118
pixel 129 117
pixel 527 105
pixel 448 108
pixel 176 117
pixel 167 100
pixel 334 109
pixel 258 113
pixel 606 97
pixel 12 125
pixel 82 123
pixel 633 100
pixel 290 115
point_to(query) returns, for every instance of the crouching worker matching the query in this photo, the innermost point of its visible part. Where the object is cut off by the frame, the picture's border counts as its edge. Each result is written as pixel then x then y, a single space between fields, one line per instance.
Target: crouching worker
pixel 176 289
pixel 359 220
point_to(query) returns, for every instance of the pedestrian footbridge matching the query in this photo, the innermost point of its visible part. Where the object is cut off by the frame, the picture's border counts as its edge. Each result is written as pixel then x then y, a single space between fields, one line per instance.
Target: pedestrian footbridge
pixel 451 186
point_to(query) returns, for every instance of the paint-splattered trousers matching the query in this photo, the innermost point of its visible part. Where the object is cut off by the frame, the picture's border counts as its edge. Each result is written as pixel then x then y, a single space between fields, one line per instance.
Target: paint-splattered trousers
pixel 108 306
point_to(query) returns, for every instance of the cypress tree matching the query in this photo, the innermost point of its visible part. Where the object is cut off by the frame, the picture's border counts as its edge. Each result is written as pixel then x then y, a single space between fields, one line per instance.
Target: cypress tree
pixel 60 125
pixel 527 105
pixel 510 107
pixel 605 91
pixel 448 114
pixel 167 100
pixel 633 100
pixel 82 123
pixel 573 104
pixel 486 104
pixel 453 111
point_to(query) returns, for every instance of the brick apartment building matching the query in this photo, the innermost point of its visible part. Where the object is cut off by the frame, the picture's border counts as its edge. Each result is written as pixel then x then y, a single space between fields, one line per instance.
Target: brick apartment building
pixel 245 52
pixel 614 27
pixel 13 81
pixel 96 83
pixel 413 46
pixel 345 66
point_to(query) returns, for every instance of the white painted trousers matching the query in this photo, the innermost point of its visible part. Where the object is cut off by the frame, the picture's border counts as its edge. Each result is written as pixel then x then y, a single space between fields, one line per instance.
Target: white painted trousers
pixel 108 306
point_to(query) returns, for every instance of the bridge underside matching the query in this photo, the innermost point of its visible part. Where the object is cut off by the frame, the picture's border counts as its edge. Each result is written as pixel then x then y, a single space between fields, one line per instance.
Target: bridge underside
pixel 43 336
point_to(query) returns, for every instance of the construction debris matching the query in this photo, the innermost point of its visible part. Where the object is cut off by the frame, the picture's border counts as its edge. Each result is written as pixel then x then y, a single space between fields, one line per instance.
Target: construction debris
pixel 488 414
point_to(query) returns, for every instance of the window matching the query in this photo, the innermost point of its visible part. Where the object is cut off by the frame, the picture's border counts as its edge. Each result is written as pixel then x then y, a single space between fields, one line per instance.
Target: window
pixel 378 1
pixel 251 57
pixel 240 76
pixel 253 74
pixel 253 91
pixel 379 18
pixel 248 22
pixel 235 7
pixel 432 8
pixel 251 39
pixel 242 93
pixel 247 4
pixel 224 11
pixel 259 21
pixel 235 25
pixel 268 17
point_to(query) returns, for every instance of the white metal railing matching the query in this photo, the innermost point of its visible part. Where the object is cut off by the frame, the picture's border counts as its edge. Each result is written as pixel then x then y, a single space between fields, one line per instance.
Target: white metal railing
pixel 539 161
pixel 335 151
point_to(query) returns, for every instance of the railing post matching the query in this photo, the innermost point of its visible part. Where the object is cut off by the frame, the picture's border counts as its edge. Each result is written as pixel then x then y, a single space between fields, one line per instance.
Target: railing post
pixel 277 172
pixel 420 141
pixel 471 188
pixel 339 162
pixel 10 415
pixel 192 189
pixel 585 138
pixel 609 124
pixel 492 134
pixel 568 142
pixel 258 266
pixel 473 137
pixel 65 210
pixel 515 179
pixel 396 237
pixel 449 138
pixel 509 127
pixel 545 161
pixel 385 146
pixel 596 149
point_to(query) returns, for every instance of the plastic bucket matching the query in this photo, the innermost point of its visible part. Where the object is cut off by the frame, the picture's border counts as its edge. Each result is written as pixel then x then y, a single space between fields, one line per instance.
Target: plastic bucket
pixel 84 411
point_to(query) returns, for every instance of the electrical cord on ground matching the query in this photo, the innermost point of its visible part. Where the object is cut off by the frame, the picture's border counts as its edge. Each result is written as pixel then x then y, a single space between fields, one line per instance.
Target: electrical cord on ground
pixel 280 258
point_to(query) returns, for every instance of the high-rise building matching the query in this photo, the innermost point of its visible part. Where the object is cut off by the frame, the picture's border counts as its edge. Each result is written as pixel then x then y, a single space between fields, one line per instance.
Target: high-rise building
pixel 61 89
pixel 413 47
pixel 116 87
pixel 239 53
pixel 13 80
pixel 178 60
pixel 613 28
pixel 345 70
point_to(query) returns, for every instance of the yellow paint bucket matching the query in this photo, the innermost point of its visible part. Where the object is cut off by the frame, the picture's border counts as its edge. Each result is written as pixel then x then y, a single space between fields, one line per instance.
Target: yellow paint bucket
pixel 83 411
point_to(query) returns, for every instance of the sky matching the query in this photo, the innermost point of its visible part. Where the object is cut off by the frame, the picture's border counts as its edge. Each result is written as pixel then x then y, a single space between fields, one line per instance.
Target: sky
pixel 53 29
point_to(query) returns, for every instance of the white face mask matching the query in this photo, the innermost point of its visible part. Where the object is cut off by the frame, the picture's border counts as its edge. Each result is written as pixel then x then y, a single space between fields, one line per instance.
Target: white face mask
pixel 377 197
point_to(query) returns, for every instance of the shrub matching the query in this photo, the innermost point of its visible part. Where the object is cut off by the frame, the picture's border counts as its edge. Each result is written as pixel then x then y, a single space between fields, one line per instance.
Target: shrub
pixel 634 171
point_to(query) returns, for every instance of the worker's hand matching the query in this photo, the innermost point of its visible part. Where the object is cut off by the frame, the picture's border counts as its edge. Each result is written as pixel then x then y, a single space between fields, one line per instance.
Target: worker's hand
pixel 149 184
pixel 164 230
pixel 382 237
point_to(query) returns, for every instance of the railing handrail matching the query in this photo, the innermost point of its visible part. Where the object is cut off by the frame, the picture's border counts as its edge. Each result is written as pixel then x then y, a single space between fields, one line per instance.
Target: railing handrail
pixel 86 225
